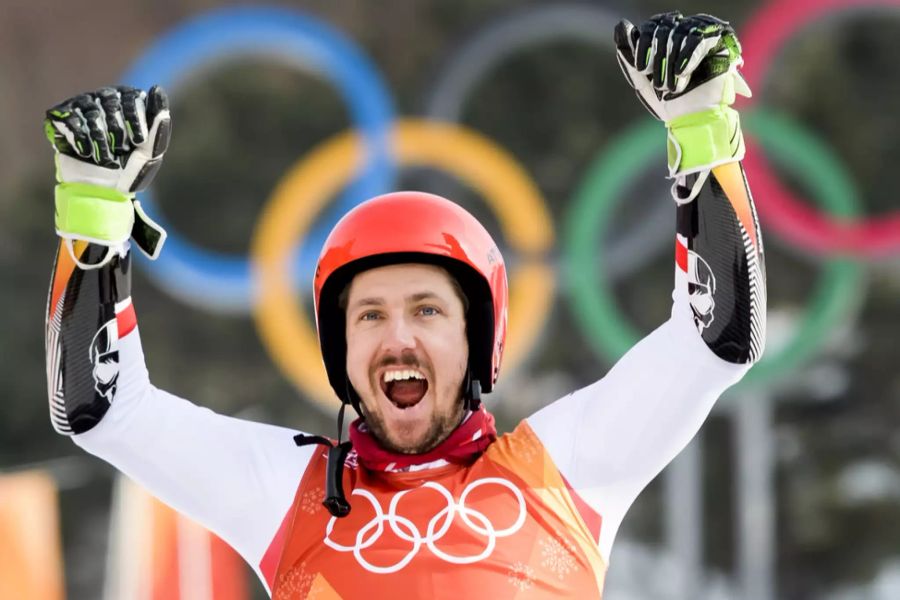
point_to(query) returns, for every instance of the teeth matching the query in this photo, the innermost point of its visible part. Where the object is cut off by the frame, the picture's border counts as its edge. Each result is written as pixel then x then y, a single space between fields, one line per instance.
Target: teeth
pixel 390 376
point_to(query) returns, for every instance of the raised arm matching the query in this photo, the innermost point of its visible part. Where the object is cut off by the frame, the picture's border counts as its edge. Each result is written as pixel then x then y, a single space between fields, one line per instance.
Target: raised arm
pixel 235 477
pixel 611 438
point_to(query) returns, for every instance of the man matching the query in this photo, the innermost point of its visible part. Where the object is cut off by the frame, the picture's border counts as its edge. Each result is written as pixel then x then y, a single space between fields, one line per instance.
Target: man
pixel 425 500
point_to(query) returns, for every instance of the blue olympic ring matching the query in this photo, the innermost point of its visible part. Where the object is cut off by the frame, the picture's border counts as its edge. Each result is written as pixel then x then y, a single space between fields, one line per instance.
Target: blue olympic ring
pixel 222 282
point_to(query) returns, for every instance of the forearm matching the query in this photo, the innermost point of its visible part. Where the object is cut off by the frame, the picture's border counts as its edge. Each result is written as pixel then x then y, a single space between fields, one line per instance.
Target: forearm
pixel 88 312
pixel 719 255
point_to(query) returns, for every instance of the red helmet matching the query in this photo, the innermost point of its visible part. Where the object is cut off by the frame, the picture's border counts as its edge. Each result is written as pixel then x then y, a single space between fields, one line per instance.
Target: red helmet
pixel 414 227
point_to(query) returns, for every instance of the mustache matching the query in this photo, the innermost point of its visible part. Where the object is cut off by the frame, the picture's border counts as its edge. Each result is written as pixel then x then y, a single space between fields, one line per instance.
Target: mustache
pixel 405 359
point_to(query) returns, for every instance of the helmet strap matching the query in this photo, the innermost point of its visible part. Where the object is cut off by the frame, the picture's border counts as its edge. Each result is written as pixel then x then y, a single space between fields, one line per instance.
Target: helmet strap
pixel 335 500
pixel 472 392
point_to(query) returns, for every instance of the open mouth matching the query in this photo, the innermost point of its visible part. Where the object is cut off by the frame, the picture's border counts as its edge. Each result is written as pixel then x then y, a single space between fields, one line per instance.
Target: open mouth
pixel 404 387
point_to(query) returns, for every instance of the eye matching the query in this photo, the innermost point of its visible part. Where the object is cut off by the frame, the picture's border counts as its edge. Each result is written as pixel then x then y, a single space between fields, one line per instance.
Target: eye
pixel 429 311
pixel 370 315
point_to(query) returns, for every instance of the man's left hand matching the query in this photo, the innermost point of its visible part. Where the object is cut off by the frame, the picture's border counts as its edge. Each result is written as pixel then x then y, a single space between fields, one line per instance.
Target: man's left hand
pixel 685 71
pixel 680 65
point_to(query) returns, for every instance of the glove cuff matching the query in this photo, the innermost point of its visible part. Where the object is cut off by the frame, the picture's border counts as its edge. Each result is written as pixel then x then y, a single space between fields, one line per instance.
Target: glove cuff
pixel 93 213
pixel 702 140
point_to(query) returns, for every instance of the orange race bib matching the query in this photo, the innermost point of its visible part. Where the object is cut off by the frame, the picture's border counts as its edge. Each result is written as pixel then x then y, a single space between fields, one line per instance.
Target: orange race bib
pixel 505 526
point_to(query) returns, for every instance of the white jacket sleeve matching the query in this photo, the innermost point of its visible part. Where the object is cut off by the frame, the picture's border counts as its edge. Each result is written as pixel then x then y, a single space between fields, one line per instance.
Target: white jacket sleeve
pixel 235 477
pixel 612 438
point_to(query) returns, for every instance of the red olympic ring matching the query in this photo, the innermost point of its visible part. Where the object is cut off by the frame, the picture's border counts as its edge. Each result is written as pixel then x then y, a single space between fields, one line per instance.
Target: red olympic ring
pixel 762 39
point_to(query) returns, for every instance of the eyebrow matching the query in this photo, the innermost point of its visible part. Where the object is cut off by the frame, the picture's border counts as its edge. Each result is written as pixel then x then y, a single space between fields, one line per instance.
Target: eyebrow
pixel 419 296
pixel 366 302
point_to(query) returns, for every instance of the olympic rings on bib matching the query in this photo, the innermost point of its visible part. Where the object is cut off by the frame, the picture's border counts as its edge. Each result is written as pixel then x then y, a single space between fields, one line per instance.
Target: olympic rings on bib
pixel 223 283
pixel 288 334
pixel 763 37
pixel 609 332
pixel 406 530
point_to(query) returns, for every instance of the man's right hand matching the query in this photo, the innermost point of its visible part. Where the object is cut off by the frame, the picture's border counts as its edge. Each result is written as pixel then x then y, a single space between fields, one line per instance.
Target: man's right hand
pixel 109 144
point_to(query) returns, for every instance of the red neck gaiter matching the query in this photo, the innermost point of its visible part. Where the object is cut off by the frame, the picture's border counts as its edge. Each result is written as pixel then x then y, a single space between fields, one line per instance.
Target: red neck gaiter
pixel 467 441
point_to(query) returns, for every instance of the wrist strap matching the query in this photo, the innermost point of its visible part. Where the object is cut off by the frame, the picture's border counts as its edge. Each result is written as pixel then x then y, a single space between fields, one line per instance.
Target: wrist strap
pixel 147 233
pixel 111 251
pixel 100 214
pixel 702 140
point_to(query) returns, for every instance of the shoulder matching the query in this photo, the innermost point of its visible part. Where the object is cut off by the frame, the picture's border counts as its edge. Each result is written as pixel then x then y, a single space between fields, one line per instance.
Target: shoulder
pixel 520 451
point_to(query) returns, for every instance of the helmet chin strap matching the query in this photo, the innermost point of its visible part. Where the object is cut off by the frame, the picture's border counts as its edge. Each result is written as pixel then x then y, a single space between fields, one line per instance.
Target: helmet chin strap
pixel 335 500
pixel 472 392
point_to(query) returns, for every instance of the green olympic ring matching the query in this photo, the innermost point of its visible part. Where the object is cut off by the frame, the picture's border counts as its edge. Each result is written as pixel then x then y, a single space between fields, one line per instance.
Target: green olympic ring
pixel 609 332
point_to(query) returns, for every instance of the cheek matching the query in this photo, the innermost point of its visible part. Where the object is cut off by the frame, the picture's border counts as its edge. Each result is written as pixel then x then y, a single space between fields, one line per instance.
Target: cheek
pixel 462 346
pixel 454 355
pixel 357 360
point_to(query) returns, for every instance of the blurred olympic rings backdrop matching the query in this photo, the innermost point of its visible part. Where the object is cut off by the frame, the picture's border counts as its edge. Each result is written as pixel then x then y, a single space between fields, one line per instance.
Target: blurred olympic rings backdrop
pixel 762 39
pixel 363 162
pixel 218 282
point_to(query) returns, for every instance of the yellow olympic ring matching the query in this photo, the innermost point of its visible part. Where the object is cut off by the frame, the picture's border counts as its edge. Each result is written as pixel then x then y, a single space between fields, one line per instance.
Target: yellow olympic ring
pixel 285 330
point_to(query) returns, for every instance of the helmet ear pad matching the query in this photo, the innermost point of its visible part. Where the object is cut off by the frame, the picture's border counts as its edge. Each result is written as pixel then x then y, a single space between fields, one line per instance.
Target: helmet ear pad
pixel 332 317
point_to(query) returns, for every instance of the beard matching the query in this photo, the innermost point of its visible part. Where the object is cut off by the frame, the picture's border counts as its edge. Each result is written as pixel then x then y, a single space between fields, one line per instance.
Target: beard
pixel 441 423
pixel 440 427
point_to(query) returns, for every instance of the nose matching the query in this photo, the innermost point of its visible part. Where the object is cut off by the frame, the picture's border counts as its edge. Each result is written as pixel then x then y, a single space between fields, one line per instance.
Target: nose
pixel 398 336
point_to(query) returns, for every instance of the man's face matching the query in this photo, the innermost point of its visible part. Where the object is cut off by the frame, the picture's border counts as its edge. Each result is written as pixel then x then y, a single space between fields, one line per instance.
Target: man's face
pixel 407 353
